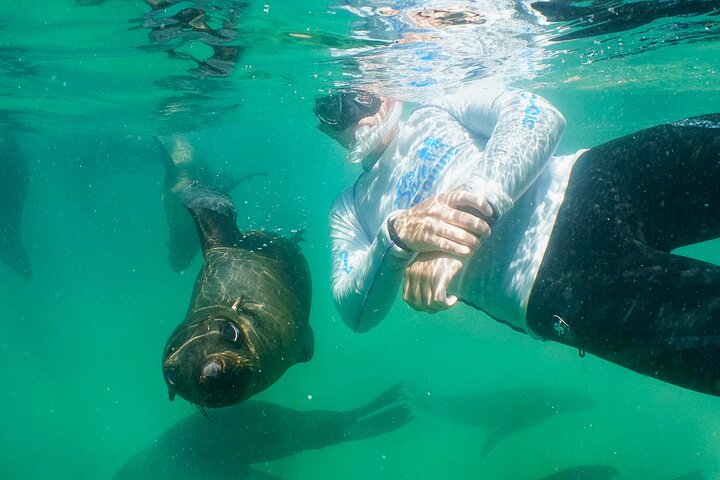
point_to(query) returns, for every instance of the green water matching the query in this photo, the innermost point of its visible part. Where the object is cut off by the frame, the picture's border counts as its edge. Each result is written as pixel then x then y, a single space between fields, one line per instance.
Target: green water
pixel 80 343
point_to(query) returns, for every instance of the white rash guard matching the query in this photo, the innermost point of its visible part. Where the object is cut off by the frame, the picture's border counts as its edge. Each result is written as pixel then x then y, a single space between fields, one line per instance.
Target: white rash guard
pixel 499 143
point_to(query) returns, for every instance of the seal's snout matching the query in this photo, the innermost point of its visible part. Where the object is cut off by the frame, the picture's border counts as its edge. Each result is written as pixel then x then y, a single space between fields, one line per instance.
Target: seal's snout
pixel 212 369
pixel 170 375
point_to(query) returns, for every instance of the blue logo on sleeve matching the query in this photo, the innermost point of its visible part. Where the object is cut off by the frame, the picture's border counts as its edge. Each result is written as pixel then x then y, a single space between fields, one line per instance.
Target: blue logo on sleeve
pixel 532 111
pixel 413 187
pixel 344 257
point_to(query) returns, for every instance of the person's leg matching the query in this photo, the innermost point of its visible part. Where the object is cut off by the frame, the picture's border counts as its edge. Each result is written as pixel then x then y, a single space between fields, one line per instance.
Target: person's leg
pixel 609 284
pixel 670 174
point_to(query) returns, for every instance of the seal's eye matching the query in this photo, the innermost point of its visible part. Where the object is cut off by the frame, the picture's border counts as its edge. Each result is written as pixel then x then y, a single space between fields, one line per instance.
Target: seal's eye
pixel 230 332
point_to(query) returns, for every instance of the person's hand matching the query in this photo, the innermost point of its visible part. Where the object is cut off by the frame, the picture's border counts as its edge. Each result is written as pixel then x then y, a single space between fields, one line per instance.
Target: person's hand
pixel 440 224
pixel 427 279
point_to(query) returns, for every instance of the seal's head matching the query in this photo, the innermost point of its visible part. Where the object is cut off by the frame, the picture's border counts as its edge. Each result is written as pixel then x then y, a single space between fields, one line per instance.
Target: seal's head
pixel 210 359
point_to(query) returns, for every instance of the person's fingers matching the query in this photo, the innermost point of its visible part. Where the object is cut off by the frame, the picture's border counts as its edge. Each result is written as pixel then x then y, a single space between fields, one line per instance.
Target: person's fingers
pixel 408 288
pixel 462 209
pixel 427 280
pixel 443 235
pixel 467 222
pixel 433 305
pixel 411 292
pixel 417 287
pixel 442 244
pixel 440 306
pixel 465 198
pixel 459 235
pixel 424 226
pixel 428 302
pixel 427 298
pixel 440 299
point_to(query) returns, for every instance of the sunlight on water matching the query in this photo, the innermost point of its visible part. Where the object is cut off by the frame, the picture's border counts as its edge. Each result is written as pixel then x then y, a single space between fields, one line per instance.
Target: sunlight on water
pixel 86 85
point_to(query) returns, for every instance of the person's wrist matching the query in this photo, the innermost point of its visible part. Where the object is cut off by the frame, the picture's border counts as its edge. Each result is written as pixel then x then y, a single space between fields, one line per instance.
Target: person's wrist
pixel 395 237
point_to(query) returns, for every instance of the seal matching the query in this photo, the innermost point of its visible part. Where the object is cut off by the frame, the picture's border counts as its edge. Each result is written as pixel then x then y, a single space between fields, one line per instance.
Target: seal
pixel 181 167
pixel 585 472
pixel 234 439
pixel 248 319
pixel 502 412
pixel 13 190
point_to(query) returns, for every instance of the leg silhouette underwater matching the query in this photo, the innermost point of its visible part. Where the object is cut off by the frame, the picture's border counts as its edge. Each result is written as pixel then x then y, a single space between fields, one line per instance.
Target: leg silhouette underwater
pixel 610 284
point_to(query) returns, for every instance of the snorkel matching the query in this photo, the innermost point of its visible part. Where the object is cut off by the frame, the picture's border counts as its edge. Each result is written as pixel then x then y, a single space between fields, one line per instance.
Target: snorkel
pixel 341 111
pixel 368 139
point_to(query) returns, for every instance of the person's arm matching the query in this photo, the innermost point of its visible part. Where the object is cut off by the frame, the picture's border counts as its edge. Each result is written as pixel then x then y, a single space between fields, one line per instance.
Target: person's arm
pixel 366 272
pixel 523 130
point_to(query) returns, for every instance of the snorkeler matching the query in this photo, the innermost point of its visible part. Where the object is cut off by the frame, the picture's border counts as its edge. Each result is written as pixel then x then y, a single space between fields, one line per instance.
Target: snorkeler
pixel 464 202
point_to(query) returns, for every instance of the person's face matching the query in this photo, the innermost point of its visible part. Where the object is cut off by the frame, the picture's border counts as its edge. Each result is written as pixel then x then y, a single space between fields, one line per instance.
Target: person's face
pixel 345 137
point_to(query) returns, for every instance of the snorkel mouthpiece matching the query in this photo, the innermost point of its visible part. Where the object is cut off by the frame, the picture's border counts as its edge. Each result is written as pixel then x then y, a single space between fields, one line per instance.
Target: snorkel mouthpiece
pixel 370 138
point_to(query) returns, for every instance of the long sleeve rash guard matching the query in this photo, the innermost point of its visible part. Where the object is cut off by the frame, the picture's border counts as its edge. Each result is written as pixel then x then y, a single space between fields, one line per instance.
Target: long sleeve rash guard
pixel 499 143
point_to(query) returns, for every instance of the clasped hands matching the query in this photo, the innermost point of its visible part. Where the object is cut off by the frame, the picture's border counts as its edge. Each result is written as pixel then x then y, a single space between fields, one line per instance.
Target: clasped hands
pixel 444 234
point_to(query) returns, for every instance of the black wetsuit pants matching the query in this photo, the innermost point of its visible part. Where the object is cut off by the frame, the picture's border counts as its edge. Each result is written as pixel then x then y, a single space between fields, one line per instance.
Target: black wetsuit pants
pixel 609 284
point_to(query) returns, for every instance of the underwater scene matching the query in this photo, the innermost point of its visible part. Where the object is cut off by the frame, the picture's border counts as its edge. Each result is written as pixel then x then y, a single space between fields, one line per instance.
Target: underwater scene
pixel 167 173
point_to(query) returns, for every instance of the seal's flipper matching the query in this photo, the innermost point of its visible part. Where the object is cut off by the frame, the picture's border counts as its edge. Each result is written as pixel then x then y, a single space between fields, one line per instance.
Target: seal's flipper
pixel 181 168
pixel 694 475
pixel 383 414
pixel 493 439
pixel 297 236
pixel 165 157
pixel 253 474
pixel 379 423
pixel 13 252
pixel 394 394
pixel 308 349
pixel 214 214
pixel 226 183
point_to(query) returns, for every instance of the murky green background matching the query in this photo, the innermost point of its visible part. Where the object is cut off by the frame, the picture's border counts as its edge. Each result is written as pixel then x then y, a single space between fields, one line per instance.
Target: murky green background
pixel 80 343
